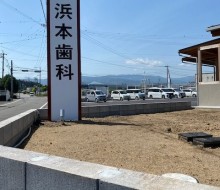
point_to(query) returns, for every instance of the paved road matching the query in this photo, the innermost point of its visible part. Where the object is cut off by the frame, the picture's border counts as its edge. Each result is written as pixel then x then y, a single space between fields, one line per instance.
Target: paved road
pixel 147 101
pixel 17 106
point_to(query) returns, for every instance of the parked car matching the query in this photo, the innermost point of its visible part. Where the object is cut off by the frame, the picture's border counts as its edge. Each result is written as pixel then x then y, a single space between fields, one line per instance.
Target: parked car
pixel 169 92
pixel 136 94
pixel 31 93
pixel 159 93
pixel 190 93
pixel 178 93
pixel 95 96
pixel 120 95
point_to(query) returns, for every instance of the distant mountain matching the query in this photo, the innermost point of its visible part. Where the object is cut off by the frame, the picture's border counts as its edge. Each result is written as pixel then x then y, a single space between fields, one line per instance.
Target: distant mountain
pixel 135 79
pixel 131 80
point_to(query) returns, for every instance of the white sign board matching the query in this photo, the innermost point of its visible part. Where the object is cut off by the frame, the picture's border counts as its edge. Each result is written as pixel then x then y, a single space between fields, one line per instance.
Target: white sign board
pixel 64 69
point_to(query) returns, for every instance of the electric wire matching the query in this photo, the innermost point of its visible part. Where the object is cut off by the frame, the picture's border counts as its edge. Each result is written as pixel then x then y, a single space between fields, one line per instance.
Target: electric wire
pixel 98 43
pixel 144 36
pixel 15 41
pixel 20 12
pixel 43 11
pixel 177 71
pixel 42 50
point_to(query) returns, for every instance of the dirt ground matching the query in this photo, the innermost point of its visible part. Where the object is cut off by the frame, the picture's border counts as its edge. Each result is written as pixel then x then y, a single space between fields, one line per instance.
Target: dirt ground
pixel 141 142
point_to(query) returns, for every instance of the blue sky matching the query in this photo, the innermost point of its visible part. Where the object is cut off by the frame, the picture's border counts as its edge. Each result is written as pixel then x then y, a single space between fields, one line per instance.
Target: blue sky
pixel 117 36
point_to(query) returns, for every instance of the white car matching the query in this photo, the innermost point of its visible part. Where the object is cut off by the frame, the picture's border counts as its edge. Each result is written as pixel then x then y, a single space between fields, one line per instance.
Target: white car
pixel 120 95
pixel 136 94
pixel 178 93
pixel 95 96
pixel 31 93
pixel 190 93
pixel 160 93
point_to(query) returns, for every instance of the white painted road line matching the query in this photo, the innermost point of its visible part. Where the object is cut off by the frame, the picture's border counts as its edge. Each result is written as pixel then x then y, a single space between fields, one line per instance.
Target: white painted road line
pixel 43 106
pixel 9 103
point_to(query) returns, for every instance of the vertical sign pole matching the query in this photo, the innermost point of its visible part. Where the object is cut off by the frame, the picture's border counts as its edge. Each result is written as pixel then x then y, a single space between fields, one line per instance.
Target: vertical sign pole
pixel 64 63
pixel 48 61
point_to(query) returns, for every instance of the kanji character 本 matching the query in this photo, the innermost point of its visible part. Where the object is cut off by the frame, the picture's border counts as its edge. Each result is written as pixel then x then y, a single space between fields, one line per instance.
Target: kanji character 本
pixel 64 52
pixel 63 32
pixel 63 10
pixel 64 71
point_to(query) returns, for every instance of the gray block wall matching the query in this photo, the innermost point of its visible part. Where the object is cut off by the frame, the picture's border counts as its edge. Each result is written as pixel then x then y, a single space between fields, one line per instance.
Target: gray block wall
pixel 121 109
pixel 26 170
pixel 13 128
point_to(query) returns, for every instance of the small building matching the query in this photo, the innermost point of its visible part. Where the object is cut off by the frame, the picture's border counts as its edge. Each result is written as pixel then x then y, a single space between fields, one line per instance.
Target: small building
pixel 99 86
pixel 206 77
pixel 206 54
pixel 214 30
pixel 4 95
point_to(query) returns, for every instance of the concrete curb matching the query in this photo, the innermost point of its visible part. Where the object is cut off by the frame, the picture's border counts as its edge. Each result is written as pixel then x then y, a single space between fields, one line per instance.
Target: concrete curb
pixel 36 171
pixel 12 129
pixel 121 109
pixel 21 169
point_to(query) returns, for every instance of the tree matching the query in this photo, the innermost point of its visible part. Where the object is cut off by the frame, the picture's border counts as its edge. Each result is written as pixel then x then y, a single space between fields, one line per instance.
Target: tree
pixel 1 85
pixel 6 83
pixel 44 88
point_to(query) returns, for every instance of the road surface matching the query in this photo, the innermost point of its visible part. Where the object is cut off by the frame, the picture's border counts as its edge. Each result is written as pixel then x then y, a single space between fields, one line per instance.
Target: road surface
pixel 17 106
pixel 26 102
pixel 146 101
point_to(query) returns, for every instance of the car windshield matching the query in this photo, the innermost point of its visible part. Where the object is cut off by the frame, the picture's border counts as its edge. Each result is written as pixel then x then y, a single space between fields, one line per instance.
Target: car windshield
pixel 123 92
pixel 133 91
pixel 99 92
pixel 167 90
pixel 177 90
pixel 137 91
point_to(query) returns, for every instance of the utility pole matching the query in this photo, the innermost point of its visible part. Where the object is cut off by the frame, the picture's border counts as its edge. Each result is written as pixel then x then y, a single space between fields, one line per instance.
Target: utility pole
pixel 40 76
pixel 3 63
pixel 39 71
pixel 40 82
pixel 144 82
pixel 11 80
pixel 168 77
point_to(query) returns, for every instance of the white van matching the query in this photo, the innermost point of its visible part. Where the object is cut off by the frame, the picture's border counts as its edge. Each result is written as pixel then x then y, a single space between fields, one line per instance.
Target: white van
pixel 190 93
pixel 159 93
pixel 136 94
pixel 120 95
pixel 95 96
pixel 31 93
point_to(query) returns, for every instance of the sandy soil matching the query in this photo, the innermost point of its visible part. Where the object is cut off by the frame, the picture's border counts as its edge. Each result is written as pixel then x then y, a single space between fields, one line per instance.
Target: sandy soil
pixel 142 142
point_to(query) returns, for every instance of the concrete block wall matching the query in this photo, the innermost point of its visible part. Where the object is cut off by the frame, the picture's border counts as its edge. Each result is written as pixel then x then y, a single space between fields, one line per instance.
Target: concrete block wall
pixel 12 129
pixel 121 109
pixel 208 93
pixel 26 170
pixel 132 109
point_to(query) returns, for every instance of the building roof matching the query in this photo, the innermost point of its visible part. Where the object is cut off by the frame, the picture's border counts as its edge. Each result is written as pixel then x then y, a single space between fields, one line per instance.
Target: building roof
pixel 209 56
pixel 215 30
pixel 94 83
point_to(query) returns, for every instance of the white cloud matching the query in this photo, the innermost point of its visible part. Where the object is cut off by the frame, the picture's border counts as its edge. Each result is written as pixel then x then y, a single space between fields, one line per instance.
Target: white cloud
pixel 145 61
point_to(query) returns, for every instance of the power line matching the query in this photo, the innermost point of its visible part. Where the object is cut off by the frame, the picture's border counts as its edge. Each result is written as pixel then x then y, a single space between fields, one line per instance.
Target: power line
pixel 42 51
pixel 151 70
pixel 99 61
pixel 43 11
pixel 98 43
pixel 142 36
pixel 20 52
pixel 27 39
pixel 21 13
